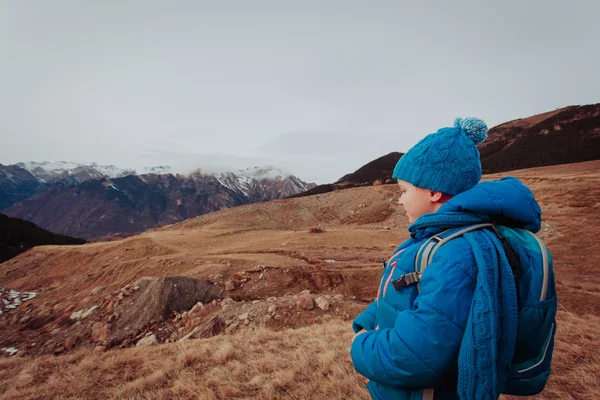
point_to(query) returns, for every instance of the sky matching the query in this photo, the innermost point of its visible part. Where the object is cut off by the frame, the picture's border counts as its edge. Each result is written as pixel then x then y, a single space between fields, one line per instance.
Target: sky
pixel 316 88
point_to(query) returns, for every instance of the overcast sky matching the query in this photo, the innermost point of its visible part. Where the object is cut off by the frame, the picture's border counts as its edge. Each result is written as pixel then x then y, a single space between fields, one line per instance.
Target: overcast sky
pixel 317 88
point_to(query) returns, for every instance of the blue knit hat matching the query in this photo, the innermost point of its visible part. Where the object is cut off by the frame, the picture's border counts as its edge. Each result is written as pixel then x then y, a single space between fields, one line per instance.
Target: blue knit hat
pixel 446 161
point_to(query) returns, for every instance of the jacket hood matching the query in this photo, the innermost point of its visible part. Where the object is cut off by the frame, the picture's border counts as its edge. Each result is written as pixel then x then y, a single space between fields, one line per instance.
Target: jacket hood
pixel 506 202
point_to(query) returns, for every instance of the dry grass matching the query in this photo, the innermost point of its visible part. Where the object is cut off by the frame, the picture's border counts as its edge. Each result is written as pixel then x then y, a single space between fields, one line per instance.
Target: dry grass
pixel 306 363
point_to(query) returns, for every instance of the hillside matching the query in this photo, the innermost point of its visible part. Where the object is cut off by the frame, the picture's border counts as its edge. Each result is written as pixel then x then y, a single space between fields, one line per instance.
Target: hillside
pixel 376 172
pixel 567 135
pixel 18 236
pixel 264 257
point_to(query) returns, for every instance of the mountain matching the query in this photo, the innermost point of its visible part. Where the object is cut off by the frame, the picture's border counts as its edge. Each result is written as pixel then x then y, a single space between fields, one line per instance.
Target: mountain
pixel 377 172
pixel 69 173
pixel 17 184
pixel 133 204
pixel 17 236
pixel 564 136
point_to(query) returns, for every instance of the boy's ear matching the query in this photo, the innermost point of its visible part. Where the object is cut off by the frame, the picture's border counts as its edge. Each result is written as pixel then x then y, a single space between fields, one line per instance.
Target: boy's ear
pixel 435 197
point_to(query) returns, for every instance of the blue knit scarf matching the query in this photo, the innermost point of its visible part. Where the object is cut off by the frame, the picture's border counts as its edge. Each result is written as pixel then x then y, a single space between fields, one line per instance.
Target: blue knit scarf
pixel 488 343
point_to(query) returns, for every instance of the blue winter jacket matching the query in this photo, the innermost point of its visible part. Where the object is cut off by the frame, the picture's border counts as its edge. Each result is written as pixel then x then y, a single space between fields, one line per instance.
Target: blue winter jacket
pixel 411 348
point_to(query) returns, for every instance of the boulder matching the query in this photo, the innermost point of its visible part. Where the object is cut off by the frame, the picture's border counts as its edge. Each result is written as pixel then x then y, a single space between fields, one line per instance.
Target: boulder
pixel 147 341
pixel 100 332
pixel 157 299
pixel 322 303
pixel 305 303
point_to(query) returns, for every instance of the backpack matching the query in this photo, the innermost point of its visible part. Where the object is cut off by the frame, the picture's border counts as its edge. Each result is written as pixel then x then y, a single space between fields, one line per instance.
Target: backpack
pixel 531 263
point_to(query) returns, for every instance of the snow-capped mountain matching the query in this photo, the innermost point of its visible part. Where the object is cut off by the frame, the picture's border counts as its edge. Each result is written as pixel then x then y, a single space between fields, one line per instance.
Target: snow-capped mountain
pixel 258 183
pixel 71 173
pixel 92 201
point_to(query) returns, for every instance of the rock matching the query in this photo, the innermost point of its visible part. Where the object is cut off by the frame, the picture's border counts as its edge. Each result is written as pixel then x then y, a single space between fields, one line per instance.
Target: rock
pixel 232 327
pixel 243 316
pixel 70 342
pixel 272 308
pixel 38 321
pixel 55 331
pixel 77 315
pixel 136 287
pixel 267 317
pixel 100 332
pixel 272 299
pixel 227 300
pixel 256 302
pixel 98 289
pixel 246 322
pixel 278 317
pixel 229 286
pixel 226 307
pixel 338 297
pixel 322 303
pixel 158 299
pixel 100 349
pixel 147 341
pixel 305 292
pixel 184 315
pixel 59 349
pixel 125 342
pixel 206 330
pixel 306 303
pixel 197 307
pixel 25 319
pixel 89 312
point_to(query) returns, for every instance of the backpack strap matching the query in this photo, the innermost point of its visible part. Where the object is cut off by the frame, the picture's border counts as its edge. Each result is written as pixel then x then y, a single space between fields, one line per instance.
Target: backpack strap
pixel 427 251
pixel 545 264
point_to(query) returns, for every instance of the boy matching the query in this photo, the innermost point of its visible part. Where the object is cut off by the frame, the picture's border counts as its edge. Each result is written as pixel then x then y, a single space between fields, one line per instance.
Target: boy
pixel 449 332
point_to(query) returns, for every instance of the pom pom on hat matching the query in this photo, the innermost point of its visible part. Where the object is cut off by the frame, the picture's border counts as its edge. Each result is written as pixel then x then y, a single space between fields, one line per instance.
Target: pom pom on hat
pixel 474 128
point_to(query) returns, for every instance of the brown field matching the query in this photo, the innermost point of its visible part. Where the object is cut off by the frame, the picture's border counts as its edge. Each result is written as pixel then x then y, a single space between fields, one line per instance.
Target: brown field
pixel 305 353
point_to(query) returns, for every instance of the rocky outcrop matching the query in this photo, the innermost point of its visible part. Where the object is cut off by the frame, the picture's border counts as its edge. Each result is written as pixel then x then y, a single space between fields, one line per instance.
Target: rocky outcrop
pixel 154 299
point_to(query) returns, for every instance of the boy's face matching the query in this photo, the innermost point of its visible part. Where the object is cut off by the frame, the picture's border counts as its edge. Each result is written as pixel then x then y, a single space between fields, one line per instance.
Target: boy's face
pixel 417 201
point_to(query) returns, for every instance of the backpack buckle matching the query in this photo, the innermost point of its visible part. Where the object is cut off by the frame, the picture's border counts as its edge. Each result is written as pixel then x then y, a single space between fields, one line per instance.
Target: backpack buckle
pixel 406 280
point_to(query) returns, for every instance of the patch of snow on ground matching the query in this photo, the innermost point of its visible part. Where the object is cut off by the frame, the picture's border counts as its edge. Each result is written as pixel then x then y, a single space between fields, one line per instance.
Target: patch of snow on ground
pixel 10 350
pixel 11 299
